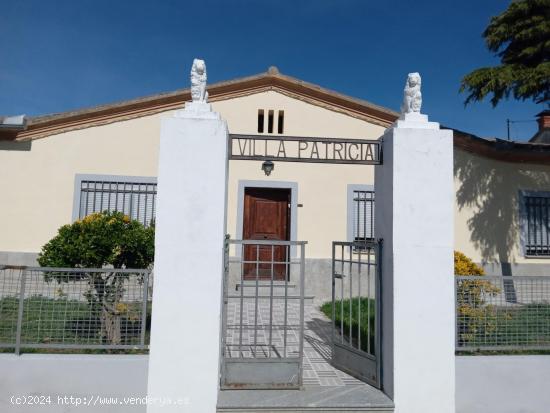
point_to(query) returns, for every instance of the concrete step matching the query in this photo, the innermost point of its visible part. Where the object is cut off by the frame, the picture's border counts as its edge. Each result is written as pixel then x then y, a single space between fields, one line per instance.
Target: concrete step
pixel 310 399
pixel 309 410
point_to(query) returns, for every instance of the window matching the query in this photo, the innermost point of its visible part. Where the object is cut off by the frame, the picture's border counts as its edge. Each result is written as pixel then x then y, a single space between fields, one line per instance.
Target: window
pixel 270 116
pixel 271 121
pixel 535 212
pixel 134 196
pixel 281 122
pixel 260 121
pixel 360 212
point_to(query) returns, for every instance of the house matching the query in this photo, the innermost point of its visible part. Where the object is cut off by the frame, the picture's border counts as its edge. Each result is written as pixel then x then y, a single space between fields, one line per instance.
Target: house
pixel 58 168
pixel 301 167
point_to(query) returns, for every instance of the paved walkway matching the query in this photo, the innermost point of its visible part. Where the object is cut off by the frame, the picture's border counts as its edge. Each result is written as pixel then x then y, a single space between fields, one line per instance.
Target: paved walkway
pixel 317 370
pixel 318 352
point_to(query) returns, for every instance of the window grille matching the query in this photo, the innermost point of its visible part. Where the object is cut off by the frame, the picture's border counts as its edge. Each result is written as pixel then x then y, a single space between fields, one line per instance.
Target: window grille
pixel 537 225
pixel 363 215
pixel 135 199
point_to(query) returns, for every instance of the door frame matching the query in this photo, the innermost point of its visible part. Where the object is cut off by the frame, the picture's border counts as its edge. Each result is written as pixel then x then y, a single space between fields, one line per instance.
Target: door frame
pixel 293 186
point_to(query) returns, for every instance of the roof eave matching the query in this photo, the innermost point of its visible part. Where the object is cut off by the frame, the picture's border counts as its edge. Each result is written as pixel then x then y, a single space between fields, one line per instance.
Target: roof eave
pixel 503 150
pixel 46 125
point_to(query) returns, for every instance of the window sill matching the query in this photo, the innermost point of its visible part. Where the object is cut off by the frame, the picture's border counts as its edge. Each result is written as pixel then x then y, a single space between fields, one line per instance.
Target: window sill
pixel 534 257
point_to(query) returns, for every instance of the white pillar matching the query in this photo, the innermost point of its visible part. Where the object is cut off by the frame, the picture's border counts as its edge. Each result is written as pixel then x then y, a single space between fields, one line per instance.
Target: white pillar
pixel 190 225
pixel 414 216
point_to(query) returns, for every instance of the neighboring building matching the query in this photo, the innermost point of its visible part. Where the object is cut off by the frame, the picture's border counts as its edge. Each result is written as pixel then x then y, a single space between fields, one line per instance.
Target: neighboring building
pixel 58 168
pixel 543 133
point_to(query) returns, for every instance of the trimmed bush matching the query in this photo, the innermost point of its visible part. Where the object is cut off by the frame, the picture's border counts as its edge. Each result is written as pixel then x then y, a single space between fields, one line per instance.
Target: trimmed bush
pixel 109 240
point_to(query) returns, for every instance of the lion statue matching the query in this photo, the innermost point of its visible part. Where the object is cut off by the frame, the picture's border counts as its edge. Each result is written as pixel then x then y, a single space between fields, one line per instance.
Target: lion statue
pixel 198 81
pixel 412 97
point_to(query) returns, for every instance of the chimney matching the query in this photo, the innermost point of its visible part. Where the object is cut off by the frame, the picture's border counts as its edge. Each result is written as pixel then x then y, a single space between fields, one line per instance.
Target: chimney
pixel 543 119
pixel 543 134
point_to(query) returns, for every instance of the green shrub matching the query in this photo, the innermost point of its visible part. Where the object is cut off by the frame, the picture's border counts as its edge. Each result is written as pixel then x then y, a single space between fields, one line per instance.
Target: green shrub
pixel 109 240
pixel 475 318
pixel 465 266
pixel 99 240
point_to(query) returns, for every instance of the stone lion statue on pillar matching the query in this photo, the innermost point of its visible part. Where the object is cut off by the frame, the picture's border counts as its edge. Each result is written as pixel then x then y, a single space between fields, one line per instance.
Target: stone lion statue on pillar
pixel 412 96
pixel 198 81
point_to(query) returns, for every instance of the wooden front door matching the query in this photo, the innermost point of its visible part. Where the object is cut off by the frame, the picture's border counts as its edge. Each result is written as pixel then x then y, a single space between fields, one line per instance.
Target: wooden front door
pixel 266 217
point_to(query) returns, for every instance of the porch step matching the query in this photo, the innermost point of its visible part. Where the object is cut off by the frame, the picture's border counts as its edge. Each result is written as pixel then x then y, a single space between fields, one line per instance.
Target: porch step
pixel 311 399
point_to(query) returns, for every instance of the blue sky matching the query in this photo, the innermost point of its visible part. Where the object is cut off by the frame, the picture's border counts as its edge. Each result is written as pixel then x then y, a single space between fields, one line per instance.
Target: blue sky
pixel 64 55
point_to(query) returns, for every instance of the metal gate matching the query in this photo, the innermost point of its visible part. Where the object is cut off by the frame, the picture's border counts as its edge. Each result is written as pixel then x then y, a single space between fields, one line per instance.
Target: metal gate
pixel 356 307
pixel 263 316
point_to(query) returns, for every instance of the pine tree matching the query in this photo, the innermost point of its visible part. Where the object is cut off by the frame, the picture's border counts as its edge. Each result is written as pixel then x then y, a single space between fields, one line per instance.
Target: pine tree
pixel 520 37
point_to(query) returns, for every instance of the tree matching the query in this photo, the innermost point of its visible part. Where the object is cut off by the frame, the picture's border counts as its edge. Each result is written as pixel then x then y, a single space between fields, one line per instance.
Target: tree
pixel 109 240
pixel 520 37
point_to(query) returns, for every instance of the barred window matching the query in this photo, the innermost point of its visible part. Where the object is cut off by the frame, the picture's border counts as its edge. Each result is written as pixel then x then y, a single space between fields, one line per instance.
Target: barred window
pixel 536 225
pixel 133 197
pixel 362 215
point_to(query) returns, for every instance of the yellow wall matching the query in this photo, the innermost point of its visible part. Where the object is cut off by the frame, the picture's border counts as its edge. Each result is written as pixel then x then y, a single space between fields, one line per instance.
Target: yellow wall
pixel 322 188
pixel 487 226
pixel 37 185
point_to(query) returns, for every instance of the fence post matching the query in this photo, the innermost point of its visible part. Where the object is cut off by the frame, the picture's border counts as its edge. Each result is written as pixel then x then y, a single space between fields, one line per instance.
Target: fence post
pixel 20 312
pixel 456 283
pixel 144 307
pixel 189 259
pixel 378 291
pixel 302 311
pixel 414 216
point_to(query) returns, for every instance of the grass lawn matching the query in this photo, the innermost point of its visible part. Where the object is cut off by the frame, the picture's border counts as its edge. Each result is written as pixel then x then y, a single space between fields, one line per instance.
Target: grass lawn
pixel 498 326
pixel 510 326
pixel 65 321
pixel 351 319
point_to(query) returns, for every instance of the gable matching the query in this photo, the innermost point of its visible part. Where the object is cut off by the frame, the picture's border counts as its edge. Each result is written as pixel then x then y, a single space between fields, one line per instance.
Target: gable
pixel 302 117
pixel 43 126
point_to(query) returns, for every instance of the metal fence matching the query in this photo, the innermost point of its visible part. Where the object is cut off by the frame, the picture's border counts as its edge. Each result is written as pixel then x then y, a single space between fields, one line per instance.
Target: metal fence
pixel 502 313
pixel 67 308
pixel 356 309
pixel 263 316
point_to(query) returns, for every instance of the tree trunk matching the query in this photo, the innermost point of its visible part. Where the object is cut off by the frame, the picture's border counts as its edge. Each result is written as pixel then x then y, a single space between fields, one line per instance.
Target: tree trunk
pixel 109 293
pixel 111 324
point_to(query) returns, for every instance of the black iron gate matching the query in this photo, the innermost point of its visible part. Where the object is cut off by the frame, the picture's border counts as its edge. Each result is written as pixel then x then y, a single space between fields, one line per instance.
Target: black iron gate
pixel 356 307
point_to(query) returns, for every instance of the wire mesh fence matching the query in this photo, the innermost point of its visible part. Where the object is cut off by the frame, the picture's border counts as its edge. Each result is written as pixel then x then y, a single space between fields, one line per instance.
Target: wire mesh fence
pixel 502 313
pixel 70 308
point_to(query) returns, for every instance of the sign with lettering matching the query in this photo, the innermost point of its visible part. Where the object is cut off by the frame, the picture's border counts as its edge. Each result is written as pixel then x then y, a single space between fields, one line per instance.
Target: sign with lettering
pixel 304 149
